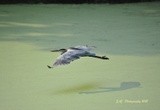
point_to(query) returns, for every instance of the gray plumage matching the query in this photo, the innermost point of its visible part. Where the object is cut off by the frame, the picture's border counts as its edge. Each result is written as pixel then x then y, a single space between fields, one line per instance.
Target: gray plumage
pixel 74 53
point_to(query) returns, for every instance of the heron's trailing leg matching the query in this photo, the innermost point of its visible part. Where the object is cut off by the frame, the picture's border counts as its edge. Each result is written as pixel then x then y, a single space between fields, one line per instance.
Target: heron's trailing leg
pixel 100 57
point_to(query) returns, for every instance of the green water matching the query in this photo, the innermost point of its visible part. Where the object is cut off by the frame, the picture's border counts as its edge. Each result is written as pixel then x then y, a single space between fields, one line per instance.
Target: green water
pixel 128 34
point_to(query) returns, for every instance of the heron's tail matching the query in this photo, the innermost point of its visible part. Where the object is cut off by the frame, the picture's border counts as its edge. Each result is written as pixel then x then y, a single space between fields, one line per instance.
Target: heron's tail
pixel 49 66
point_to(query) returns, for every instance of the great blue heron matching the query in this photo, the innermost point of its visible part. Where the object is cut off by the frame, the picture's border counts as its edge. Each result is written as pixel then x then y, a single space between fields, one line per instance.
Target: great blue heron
pixel 74 53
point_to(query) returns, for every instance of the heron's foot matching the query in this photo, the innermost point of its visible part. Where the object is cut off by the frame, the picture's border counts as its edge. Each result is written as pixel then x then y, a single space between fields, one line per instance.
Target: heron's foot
pixel 104 57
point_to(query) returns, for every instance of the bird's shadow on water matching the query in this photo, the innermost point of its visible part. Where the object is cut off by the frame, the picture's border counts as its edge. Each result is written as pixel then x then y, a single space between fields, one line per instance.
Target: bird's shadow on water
pixel 123 86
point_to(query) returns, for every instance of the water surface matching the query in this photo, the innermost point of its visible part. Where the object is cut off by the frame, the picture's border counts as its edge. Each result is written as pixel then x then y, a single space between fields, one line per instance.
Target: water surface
pixel 128 34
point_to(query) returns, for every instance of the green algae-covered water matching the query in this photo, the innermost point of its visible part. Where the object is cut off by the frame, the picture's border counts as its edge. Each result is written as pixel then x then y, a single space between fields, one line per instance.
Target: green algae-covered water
pixel 129 34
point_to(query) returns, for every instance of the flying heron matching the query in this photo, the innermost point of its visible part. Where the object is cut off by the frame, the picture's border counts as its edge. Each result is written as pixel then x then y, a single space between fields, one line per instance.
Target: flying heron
pixel 74 53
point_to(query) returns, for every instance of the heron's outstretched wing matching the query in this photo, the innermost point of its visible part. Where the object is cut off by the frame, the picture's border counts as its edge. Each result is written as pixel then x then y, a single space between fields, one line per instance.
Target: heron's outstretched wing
pixel 66 58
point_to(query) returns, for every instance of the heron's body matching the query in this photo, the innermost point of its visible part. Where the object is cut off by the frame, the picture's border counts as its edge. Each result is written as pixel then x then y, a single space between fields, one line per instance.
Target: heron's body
pixel 73 53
